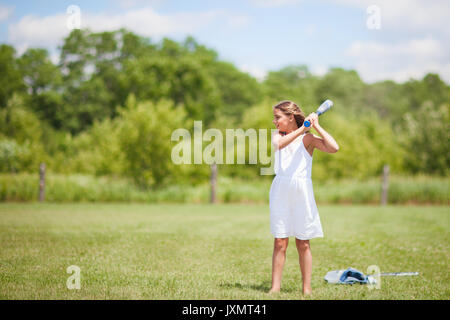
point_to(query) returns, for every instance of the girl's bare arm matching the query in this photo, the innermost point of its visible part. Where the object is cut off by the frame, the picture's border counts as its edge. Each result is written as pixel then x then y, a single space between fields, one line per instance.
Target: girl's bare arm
pixel 280 141
pixel 325 143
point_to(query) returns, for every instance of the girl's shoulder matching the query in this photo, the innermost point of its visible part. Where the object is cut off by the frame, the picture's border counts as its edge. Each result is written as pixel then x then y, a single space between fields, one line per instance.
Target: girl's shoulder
pixel 307 139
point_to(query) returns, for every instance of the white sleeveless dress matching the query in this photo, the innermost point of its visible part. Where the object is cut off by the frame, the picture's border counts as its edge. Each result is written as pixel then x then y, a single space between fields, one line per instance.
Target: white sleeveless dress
pixel 293 210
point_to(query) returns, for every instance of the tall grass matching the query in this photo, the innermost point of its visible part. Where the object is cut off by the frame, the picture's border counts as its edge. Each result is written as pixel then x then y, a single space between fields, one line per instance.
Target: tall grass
pixel 84 188
pixel 402 190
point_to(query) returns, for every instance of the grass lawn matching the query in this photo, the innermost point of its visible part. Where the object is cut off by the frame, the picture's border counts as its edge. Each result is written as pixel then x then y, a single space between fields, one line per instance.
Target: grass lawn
pixel 139 251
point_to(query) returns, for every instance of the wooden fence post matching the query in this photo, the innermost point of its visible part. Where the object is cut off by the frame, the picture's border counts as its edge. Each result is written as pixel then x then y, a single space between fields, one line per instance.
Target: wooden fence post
pixel 213 182
pixel 42 182
pixel 385 185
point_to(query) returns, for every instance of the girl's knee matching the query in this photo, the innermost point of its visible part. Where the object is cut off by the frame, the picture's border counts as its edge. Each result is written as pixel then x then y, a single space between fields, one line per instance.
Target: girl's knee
pixel 302 245
pixel 280 244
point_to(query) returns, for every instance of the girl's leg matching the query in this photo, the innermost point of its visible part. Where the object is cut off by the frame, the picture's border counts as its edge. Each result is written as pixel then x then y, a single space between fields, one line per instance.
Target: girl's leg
pixel 278 259
pixel 305 260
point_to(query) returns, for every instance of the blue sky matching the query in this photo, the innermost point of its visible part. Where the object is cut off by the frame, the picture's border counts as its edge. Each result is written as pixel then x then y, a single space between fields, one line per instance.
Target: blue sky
pixel 262 35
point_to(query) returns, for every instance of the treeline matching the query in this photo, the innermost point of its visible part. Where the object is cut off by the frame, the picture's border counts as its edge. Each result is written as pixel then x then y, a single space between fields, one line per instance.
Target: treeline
pixel 110 105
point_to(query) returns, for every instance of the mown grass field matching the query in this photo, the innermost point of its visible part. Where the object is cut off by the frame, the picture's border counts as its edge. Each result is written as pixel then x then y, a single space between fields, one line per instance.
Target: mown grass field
pixel 194 251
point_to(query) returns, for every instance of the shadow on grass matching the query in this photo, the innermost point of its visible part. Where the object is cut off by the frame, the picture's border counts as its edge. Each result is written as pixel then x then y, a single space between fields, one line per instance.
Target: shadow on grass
pixel 262 287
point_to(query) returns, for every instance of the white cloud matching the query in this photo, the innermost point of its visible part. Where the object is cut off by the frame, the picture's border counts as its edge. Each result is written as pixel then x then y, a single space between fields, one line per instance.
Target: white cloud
pixel 149 23
pixel 33 31
pixel 257 72
pixel 400 61
pixel 408 15
pixel 5 12
pixel 319 70
pixel 49 31
pixel 421 33
pixel 132 3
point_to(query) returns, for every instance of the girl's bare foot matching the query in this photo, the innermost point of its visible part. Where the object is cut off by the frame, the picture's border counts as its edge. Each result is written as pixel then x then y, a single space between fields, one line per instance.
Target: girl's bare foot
pixel 307 292
pixel 274 291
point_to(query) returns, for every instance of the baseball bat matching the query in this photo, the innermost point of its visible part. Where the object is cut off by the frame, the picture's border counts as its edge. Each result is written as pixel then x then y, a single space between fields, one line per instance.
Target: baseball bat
pixel 324 107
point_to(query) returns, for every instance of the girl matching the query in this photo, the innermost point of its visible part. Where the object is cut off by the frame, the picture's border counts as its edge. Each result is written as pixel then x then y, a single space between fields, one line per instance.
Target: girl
pixel 293 210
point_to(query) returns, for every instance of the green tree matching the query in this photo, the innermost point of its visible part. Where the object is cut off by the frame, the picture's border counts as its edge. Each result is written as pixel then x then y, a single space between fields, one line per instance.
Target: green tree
pixel 11 80
pixel 90 78
pixel 38 72
pixel 238 90
pixel 292 83
pixel 345 88
pixel 430 88
pixel 44 81
pixel 144 137
pixel 102 69
pixel 21 138
pixel 182 80
pixel 427 136
pixel 97 150
pixel 366 144
pixel 387 99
